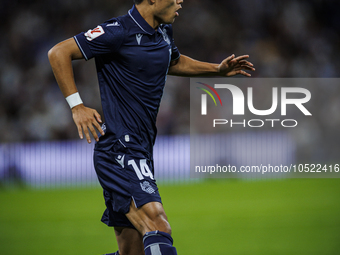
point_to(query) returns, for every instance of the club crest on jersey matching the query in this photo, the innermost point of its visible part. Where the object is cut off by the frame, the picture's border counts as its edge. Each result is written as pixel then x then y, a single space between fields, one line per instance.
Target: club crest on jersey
pixel 94 33
pixel 165 36
pixel 146 186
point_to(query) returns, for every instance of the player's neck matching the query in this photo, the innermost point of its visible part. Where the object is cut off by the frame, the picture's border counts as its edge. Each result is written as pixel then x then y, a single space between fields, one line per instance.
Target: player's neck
pixel 146 12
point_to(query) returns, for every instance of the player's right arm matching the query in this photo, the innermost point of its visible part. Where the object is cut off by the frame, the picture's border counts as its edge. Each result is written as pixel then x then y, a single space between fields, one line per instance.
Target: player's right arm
pixel 60 57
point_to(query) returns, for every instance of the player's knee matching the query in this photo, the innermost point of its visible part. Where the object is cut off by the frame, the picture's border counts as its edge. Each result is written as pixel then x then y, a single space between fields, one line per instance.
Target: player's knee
pixel 165 227
pixel 161 224
pixel 150 217
pixel 168 230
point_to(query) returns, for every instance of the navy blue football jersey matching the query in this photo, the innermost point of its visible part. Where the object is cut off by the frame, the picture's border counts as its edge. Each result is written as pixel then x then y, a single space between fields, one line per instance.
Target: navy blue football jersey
pixel 132 61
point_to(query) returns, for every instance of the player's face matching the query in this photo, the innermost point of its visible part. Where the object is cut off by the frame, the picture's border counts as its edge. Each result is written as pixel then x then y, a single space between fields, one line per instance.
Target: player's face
pixel 167 10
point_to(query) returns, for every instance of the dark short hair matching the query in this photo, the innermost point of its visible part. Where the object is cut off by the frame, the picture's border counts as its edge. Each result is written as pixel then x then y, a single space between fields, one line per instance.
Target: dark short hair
pixel 138 1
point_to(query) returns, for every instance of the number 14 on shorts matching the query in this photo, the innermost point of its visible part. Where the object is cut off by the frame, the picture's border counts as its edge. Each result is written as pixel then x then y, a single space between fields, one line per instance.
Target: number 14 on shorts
pixel 143 170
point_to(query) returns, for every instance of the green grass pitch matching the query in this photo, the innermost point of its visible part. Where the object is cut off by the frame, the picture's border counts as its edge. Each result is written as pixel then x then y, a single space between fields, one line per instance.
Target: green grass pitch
pixel 288 217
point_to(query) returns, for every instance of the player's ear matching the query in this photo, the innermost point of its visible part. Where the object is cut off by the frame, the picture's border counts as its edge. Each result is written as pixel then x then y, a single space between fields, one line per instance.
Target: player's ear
pixel 152 2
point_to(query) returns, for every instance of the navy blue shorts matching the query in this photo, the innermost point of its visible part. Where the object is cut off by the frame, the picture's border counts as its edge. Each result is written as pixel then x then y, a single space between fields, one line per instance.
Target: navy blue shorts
pixel 125 171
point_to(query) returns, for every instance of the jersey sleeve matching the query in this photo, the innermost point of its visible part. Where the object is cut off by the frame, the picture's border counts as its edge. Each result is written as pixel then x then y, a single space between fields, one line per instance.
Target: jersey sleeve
pixel 104 39
pixel 175 52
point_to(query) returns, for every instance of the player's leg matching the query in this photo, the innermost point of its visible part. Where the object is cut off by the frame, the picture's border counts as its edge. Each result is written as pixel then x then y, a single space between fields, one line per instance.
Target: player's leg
pixel 130 241
pixel 149 217
pixel 126 174
pixel 151 221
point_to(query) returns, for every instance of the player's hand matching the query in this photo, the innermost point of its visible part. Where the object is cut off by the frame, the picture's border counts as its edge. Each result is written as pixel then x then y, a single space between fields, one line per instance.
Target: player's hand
pixel 87 119
pixel 232 66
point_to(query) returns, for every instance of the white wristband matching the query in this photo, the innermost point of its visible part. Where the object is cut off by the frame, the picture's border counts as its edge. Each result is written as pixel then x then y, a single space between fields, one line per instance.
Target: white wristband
pixel 74 100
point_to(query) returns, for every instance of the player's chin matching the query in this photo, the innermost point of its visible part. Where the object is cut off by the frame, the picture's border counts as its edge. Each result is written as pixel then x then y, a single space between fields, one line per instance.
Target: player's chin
pixel 169 21
pixel 173 20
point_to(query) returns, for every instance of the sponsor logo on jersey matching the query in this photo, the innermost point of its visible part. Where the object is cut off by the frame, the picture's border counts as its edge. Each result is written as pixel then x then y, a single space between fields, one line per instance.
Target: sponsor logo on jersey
pixel 146 186
pixel 139 38
pixel 93 34
pixel 120 160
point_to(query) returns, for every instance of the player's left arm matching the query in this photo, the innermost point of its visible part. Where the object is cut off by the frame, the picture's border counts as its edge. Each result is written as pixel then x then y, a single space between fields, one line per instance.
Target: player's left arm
pixel 185 66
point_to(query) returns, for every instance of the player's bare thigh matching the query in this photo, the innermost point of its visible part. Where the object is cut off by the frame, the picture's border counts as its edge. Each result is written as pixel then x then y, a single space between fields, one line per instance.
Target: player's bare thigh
pixel 149 217
pixel 130 241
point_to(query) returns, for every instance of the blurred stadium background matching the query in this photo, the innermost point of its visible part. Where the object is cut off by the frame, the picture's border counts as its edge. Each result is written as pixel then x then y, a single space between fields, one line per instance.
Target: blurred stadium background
pixel 50 201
